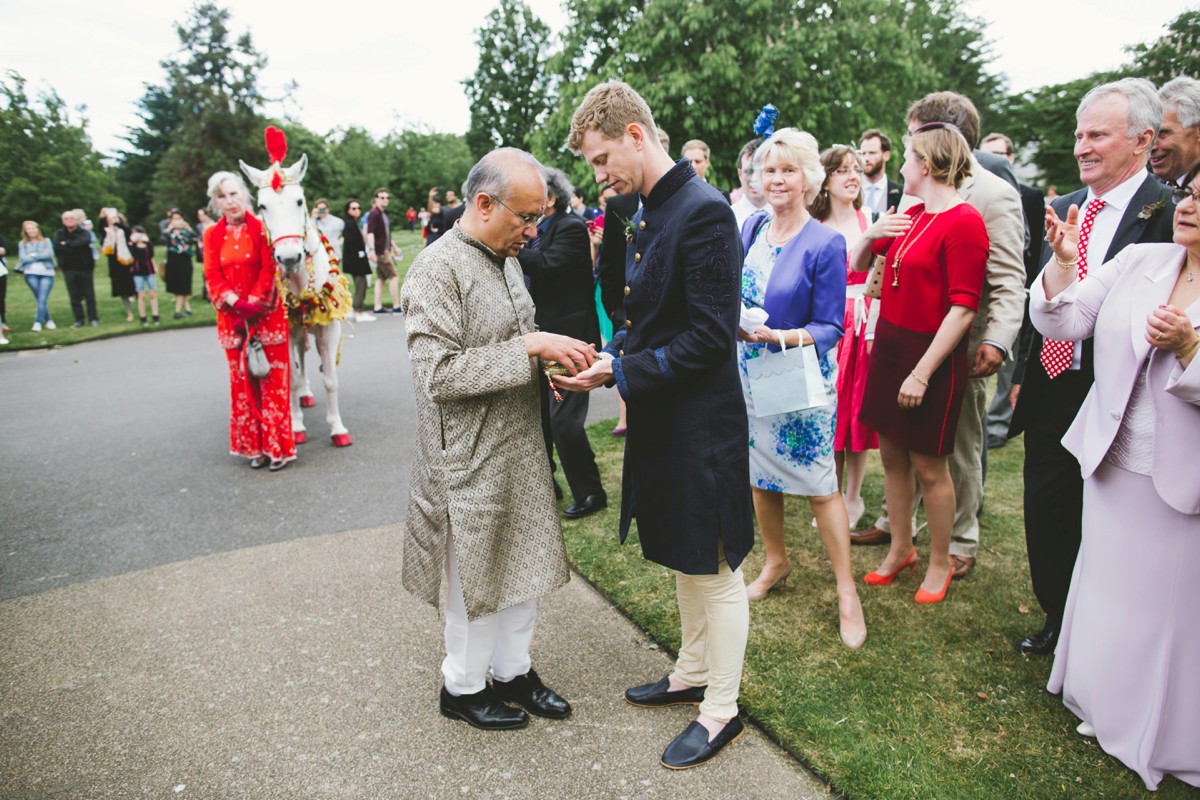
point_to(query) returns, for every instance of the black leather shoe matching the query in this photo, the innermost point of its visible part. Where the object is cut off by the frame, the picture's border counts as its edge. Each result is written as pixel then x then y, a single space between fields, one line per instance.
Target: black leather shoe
pixel 1040 643
pixel 482 710
pixel 659 694
pixel 590 505
pixel 530 693
pixel 692 747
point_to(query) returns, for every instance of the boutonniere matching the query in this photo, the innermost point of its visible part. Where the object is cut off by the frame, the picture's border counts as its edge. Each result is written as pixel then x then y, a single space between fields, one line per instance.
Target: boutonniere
pixel 1149 211
pixel 630 228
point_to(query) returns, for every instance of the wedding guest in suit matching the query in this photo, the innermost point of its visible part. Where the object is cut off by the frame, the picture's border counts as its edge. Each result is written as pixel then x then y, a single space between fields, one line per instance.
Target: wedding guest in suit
pixel 1128 656
pixel 752 198
pixel 932 282
pixel 1178 144
pixel 993 331
pixel 558 270
pixel 795 270
pixel 1033 206
pixel 1121 205
pixel 879 192
pixel 675 363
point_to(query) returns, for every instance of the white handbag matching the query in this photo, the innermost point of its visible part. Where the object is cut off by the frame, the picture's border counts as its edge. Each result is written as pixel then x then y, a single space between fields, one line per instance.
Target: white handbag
pixel 787 381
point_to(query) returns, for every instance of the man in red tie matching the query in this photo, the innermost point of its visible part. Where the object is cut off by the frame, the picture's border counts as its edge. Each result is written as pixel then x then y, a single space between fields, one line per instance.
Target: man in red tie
pixel 1120 204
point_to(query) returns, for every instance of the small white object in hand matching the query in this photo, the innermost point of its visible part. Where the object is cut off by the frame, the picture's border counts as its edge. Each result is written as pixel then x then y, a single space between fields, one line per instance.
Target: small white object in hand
pixel 752 319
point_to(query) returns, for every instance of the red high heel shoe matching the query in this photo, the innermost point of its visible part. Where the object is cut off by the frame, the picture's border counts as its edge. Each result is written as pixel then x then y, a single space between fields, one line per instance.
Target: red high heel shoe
pixel 929 597
pixel 880 579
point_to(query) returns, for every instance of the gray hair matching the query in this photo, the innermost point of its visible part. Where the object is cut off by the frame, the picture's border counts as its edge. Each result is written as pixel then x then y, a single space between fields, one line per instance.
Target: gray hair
pixel 1145 109
pixel 491 175
pixel 1183 93
pixel 559 185
pixel 218 178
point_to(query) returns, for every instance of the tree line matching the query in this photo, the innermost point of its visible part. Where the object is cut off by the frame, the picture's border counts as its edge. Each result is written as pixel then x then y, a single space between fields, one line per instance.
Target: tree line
pixel 832 67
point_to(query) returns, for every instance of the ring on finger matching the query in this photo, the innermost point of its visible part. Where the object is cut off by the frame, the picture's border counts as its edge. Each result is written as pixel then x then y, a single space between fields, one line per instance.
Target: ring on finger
pixel 1158 336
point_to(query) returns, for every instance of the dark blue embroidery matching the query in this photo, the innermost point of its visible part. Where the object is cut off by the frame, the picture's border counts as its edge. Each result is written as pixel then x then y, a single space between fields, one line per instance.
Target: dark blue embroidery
pixel 718 280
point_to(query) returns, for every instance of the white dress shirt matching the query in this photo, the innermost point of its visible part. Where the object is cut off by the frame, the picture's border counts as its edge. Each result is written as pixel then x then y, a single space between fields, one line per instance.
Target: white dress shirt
pixel 1104 229
pixel 743 208
pixel 875 194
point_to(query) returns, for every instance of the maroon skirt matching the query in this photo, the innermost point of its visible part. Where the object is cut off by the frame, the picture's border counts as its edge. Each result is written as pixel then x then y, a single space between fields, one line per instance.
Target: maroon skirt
pixel 928 428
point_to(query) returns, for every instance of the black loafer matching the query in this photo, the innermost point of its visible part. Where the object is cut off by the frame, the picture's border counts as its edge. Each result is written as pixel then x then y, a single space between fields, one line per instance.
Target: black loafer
pixel 1041 643
pixel 590 505
pixel 692 747
pixel 659 695
pixel 530 693
pixel 482 710
pixel 258 462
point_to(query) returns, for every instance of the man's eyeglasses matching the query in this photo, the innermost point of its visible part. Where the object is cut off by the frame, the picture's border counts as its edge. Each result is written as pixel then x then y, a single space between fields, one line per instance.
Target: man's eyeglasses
pixel 528 219
pixel 1183 193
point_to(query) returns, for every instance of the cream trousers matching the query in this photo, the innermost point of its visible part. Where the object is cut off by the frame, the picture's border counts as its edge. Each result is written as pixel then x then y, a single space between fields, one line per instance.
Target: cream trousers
pixel 715 616
pixel 498 641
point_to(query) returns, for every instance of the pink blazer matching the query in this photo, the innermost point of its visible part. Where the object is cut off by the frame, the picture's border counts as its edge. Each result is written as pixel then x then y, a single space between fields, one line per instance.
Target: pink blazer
pixel 1112 304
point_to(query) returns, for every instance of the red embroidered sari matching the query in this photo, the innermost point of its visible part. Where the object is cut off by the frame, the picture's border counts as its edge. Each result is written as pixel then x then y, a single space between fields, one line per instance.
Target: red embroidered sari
pixel 238 264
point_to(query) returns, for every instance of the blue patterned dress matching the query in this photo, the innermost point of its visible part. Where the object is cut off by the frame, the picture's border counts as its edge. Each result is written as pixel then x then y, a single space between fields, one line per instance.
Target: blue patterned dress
pixel 789 453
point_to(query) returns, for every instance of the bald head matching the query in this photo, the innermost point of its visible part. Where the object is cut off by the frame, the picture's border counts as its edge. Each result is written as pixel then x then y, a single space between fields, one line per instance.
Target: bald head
pixel 506 198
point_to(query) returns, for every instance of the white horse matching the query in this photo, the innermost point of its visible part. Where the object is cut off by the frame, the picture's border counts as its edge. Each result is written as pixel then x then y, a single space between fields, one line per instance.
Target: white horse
pixel 316 294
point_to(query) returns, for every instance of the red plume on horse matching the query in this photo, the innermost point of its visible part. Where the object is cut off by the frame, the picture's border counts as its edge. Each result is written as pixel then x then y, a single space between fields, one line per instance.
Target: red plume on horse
pixel 277 152
pixel 314 289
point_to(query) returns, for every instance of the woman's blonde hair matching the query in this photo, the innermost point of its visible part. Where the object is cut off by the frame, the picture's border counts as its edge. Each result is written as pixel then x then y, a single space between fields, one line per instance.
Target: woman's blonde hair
pixel 944 150
pixel 36 227
pixel 798 149
pixel 832 160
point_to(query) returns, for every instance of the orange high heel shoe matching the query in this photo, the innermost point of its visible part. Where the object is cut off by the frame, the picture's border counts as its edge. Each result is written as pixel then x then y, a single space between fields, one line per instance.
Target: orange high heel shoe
pixel 880 579
pixel 929 597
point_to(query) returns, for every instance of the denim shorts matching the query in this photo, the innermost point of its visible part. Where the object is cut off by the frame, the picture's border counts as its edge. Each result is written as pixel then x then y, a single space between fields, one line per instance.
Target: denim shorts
pixel 144 283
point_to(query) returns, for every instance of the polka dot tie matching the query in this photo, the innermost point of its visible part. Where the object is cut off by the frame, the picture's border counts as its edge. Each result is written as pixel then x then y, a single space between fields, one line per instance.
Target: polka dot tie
pixel 1057 356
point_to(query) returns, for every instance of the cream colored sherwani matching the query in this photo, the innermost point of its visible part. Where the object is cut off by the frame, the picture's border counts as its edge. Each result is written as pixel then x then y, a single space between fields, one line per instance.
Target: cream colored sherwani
pixel 480 469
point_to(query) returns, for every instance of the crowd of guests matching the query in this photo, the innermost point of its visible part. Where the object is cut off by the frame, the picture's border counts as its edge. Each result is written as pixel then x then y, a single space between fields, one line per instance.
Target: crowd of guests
pixel 872 314
pixel 74 250
pixel 763 341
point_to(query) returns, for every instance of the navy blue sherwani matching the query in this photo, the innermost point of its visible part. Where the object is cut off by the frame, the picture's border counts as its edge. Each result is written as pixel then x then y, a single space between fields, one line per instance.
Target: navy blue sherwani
pixel 687 456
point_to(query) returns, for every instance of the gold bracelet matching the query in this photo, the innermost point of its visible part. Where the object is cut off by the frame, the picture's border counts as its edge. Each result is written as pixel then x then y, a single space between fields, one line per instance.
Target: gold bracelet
pixel 1191 348
pixel 1066 266
pixel 919 379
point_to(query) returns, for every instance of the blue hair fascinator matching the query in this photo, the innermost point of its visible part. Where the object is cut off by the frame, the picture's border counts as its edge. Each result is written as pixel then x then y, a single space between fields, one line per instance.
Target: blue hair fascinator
pixel 765 124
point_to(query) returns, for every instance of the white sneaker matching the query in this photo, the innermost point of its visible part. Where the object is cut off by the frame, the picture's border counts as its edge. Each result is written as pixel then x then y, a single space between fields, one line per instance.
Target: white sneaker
pixel 50 325
pixel 2 339
pixel 1086 729
pixel 37 327
pixel 364 316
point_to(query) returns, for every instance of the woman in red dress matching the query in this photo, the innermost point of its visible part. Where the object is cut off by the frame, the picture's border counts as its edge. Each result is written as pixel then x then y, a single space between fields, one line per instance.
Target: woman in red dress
pixel 240 273
pixel 839 205
pixel 932 279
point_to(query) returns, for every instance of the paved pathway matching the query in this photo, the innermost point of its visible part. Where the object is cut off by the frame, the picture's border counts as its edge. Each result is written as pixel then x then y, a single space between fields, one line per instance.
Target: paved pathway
pixel 175 625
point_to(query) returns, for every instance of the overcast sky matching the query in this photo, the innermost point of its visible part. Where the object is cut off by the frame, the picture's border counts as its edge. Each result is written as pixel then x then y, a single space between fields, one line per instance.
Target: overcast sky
pixel 381 66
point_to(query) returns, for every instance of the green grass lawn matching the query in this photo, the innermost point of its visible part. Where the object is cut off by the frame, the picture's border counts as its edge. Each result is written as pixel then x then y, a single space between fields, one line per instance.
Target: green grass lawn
pixel 21 308
pixel 937 704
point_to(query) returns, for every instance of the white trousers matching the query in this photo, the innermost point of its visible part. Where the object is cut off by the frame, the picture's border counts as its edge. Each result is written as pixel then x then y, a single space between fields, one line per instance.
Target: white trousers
pixel 715 617
pixel 499 641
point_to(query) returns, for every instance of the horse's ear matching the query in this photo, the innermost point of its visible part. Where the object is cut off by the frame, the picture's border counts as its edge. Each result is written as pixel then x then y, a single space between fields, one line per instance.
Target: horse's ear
pixel 296 171
pixel 256 176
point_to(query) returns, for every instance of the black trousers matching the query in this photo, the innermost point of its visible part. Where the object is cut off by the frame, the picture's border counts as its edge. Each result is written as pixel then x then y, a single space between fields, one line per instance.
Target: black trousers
pixel 1053 494
pixel 562 427
pixel 81 288
pixel 360 292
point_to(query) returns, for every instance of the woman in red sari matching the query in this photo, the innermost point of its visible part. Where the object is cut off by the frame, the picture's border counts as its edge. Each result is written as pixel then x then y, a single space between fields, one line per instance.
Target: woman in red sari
pixel 240 273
